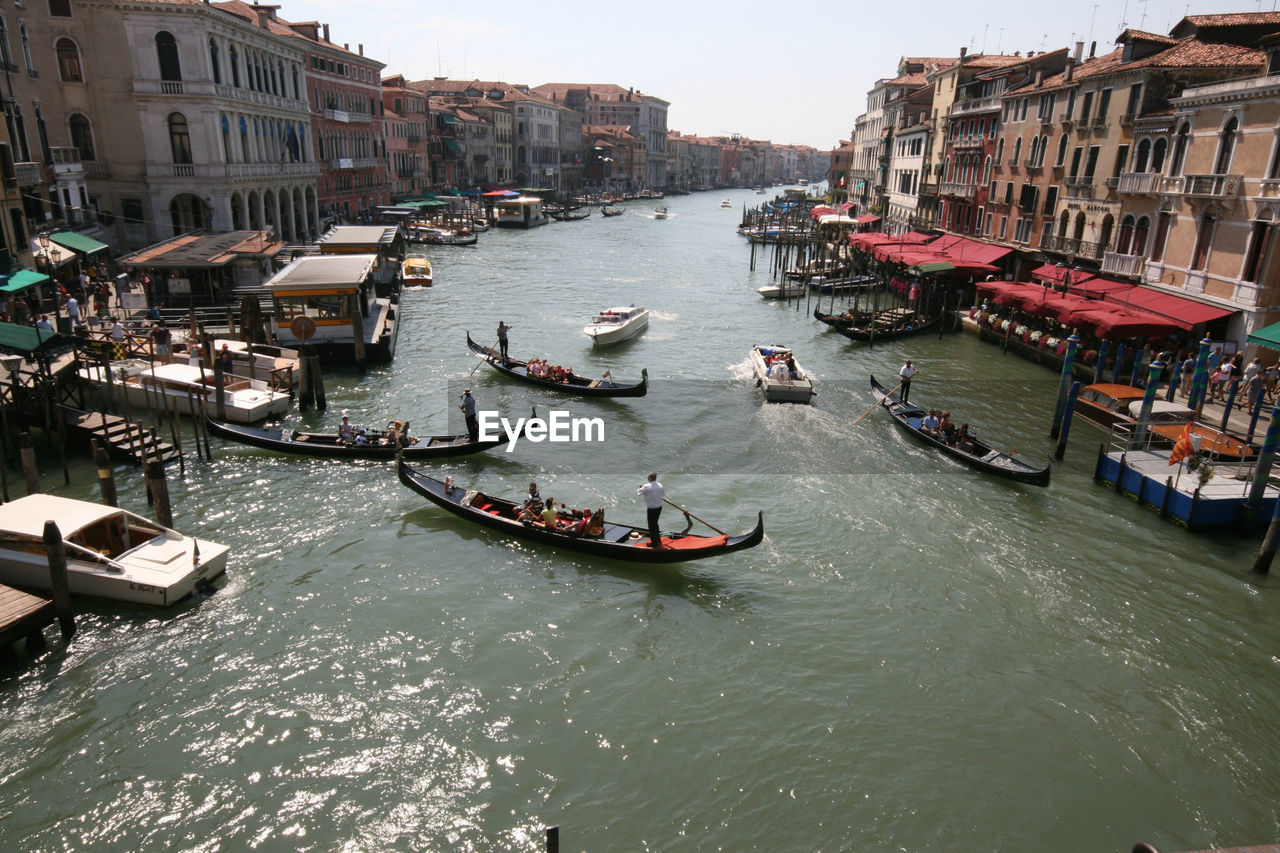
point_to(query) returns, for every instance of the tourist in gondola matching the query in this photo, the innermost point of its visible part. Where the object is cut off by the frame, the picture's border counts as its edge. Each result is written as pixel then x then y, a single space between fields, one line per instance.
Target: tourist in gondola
pixel 929 423
pixel 654 495
pixel 534 498
pixel 346 432
pixel 225 359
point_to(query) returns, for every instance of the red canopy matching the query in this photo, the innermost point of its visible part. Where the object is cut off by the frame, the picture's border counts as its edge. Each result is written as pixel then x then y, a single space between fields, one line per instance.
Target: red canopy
pixel 1011 292
pixel 1125 324
pixel 821 210
pixel 1169 308
pixel 960 248
pixel 866 218
pixel 1060 274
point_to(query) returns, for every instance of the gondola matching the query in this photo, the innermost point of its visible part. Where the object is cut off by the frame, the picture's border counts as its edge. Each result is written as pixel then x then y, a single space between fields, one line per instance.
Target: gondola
pixel 974 453
pixel 611 211
pixel 575 215
pixel 619 541
pixel 326 444
pixel 841 320
pixel 888 325
pixel 573 384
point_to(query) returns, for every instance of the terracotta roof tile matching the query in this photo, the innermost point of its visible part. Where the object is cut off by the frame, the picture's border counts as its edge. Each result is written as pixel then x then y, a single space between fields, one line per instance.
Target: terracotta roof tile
pixel 1192 53
pixel 1233 19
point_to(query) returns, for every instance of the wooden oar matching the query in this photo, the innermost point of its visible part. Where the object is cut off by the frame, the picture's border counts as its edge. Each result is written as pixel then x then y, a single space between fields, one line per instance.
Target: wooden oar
pixel 873 406
pixel 691 515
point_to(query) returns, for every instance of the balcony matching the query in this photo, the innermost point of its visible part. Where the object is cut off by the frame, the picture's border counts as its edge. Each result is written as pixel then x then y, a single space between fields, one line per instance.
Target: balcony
pixel 1112 183
pixel 974 105
pixel 27 174
pixel 967 143
pixel 1211 186
pixel 1126 120
pixel 1070 246
pixel 958 190
pixel 97 169
pixel 1099 122
pixel 272 170
pixel 66 161
pixel 1139 183
pixel 343 163
pixel 1078 187
pixel 337 115
pixel 1130 265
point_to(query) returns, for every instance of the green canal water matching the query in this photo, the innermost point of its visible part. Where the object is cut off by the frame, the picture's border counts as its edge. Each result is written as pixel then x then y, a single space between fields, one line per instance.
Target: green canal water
pixel 917 657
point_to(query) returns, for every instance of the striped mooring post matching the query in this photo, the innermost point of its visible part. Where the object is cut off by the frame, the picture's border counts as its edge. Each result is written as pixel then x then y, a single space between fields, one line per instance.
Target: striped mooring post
pixel 1068 362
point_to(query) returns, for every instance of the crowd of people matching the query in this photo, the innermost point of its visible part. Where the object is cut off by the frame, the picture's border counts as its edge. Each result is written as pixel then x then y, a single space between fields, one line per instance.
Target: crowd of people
pixel 547 514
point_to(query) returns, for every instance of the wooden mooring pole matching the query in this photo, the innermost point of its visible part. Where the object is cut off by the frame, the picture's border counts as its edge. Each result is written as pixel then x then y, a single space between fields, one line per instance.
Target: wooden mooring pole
pixel 57 551
pixel 27 451
pixel 159 489
pixel 106 479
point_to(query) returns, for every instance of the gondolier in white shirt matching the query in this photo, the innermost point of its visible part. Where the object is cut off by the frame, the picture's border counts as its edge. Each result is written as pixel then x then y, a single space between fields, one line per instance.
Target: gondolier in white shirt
pixel 469 412
pixel 654 494
pixel 905 375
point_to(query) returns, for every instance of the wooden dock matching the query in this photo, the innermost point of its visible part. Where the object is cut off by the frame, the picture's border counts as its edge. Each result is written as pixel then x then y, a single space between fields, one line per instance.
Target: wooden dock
pixel 23 616
pixel 120 437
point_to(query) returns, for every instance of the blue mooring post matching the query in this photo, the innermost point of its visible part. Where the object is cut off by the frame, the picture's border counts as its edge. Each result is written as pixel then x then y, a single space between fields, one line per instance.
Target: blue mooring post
pixel 1103 346
pixel 1061 449
pixel 1068 362
pixel 1266 456
pixel 1253 419
pixel 1174 380
pixel 1231 401
pixel 1115 372
pixel 1137 367
pixel 1199 380
pixel 1148 402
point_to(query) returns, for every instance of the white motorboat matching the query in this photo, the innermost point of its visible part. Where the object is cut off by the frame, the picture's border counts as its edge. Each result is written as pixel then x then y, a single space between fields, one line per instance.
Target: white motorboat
pixel 279 367
pixel 617 324
pixel 777 373
pixel 660 213
pixel 179 387
pixel 726 203
pixel 786 290
pixel 111 553
pixel 415 271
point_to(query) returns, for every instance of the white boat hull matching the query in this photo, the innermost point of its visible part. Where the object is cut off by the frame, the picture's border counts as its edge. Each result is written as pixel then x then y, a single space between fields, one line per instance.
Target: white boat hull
pixel 605 334
pixel 780 390
pixel 246 401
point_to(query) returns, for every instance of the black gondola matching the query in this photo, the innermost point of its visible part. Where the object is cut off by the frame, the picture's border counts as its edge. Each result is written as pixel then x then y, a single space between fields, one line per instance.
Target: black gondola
pixel 573 383
pixel 619 541
pixel 971 452
pixel 839 320
pixel 327 444
pixel 611 211
pixel 888 325
pixel 575 215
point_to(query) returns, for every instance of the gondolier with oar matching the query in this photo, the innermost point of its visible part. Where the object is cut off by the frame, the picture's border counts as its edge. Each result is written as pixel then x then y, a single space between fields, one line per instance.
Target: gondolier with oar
pixel 905 375
pixel 654 494
pixel 468 408
pixel 502 340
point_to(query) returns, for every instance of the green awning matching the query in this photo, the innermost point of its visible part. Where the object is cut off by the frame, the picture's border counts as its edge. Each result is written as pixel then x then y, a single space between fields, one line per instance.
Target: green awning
pixel 28 341
pixel 448 119
pixel 23 279
pixel 453 145
pixel 932 267
pixel 1268 337
pixel 78 242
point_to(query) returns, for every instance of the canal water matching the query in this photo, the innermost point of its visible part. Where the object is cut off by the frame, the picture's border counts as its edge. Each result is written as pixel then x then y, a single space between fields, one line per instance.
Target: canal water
pixel 917 657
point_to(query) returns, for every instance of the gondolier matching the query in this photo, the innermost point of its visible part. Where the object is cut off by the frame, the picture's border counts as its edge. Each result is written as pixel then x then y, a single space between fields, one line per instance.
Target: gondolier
pixel 469 412
pixel 653 497
pixel 502 340
pixel 905 375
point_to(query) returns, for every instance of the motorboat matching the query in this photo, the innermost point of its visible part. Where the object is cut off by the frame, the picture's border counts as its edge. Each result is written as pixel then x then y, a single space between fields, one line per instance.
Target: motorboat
pixel 111 552
pixel 186 389
pixel 660 213
pixel 726 204
pixel 778 374
pixel 617 324
pixel 521 212
pixel 785 290
pixel 279 367
pixel 415 271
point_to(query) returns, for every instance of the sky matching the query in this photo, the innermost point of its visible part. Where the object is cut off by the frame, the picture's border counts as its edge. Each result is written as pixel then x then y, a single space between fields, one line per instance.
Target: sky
pixel 793 74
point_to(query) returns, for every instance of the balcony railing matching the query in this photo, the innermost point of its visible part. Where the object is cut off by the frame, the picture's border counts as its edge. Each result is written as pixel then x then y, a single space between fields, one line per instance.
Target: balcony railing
pixel 974 105
pixel 1130 265
pixel 27 174
pixel 1212 186
pixel 956 189
pixel 97 169
pixel 337 115
pixel 1070 246
pixel 183 170
pixel 66 161
pixel 1139 183
pixel 1112 183
pixel 967 143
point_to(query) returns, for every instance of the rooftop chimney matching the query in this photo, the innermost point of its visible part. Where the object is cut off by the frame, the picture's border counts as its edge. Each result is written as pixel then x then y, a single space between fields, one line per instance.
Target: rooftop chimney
pixel 1079 51
pixel 361 47
pixel 1093 48
pixel 326 32
pixel 963 52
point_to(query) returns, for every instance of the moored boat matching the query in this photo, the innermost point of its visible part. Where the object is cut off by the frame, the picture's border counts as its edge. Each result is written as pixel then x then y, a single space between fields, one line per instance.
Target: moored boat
pixel 521 212
pixel 778 374
pixel 601 539
pixel 888 325
pixel 333 446
pixel 181 387
pixel 966 448
pixel 111 553
pixel 785 290
pixel 279 367
pixel 572 384
pixel 616 325
pixel 415 271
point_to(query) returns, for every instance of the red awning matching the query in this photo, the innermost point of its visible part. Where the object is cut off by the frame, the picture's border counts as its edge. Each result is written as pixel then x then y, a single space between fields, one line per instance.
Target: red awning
pixel 869 240
pixel 1125 324
pixel 1061 274
pixel 1011 292
pixel 866 218
pixel 963 249
pixel 844 207
pixel 1177 310
pixel 821 210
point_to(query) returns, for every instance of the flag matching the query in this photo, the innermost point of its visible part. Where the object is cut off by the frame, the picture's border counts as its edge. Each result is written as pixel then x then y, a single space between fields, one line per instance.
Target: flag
pixel 1182 447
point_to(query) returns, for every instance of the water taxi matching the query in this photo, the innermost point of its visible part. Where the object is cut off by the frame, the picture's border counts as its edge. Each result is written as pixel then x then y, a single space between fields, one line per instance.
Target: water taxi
pixel 616 324
pixel 521 212
pixel 415 271
pixel 180 388
pixel 778 375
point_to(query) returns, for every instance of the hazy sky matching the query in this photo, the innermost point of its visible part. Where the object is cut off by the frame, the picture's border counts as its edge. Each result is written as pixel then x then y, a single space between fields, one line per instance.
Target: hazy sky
pixel 792 72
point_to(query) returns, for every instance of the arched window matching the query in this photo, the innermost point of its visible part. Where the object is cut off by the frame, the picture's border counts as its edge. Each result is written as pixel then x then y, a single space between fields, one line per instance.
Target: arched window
pixel 1079 232
pixel 1000 151
pixel 1108 223
pixel 283 93
pixel 1035 148
pixel 5 54
pixel 297 96
pixel 26 45
pixel 1179 150
pixel 213 62
pixel 179 138
pixel 1124 240
pixel 81 136
pixel 225 126
pixel 1064 222
pixel 1017 151
pixel 1142 155
pixel 68 61
pixel 1140 234
pixel 235 66
pixel 1259 242
pixel 986 170
pixel 1204 238
pixel 167 54
pixel 1226 146
pixel 1062 151
pixel 1158 152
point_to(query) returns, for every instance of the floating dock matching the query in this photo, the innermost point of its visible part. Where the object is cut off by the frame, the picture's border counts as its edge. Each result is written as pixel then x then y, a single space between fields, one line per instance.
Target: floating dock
pixel 23 616
pixel 1178 494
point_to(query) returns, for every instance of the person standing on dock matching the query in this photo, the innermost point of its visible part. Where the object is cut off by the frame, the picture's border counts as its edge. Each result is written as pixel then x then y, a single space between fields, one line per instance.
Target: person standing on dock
pixel 654 495
pixel 469 412
pixel 502 340
pixel 905 375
